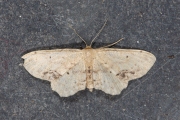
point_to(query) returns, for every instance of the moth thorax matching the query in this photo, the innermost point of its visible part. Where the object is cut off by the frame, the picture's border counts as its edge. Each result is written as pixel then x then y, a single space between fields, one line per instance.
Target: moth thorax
pixel 88 56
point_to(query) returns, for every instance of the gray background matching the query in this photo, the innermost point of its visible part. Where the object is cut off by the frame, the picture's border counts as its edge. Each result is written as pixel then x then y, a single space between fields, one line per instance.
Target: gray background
pixel 151 25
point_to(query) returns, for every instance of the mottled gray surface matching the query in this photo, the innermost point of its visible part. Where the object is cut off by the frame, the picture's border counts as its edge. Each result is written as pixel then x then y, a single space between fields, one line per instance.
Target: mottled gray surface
pixel 151 25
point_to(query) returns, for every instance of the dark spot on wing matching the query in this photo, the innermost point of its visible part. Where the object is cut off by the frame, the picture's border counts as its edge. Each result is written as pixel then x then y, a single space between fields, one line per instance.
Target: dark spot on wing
pixel 125 74
pixel 132 72
pixel 68 73
pixel 52 74
pixel 110 72
pixel 55 76
pixel 45 73
pixel 126 56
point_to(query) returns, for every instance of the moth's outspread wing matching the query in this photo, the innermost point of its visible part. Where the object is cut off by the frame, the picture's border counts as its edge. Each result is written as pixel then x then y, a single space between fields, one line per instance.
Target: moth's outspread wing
pixel 64 68
pixel 113 68
pixel 106 81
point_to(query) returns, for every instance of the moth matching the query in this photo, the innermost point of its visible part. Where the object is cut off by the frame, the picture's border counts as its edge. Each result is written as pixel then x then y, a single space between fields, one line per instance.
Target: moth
pixel 73 70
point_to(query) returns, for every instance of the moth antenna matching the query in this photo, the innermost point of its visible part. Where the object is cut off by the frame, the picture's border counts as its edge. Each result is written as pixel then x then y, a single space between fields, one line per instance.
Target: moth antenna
pixel 78 35
pixel 112 43
pixel 98 32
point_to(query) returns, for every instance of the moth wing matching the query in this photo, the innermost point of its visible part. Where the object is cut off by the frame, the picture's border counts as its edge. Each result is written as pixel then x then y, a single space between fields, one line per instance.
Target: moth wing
pixel 114 68
pixel 64 68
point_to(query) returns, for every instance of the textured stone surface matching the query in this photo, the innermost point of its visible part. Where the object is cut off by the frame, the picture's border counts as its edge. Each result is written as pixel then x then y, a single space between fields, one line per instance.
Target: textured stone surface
pixel 148 25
